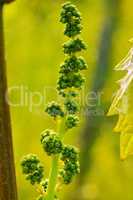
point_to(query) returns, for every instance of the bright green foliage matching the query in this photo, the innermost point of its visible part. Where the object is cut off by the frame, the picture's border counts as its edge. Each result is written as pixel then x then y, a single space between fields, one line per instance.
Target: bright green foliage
pixel 32 168
pixel 123 106
pixel 66 115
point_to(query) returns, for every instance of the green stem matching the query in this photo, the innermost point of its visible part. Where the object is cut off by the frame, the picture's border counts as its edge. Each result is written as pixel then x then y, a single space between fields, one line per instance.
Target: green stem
pixel 53 178
pixel 54 168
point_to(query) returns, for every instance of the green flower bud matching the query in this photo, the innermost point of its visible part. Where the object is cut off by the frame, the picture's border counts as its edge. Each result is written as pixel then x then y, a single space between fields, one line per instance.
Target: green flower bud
pixel 72 167
pixel 73 80
pixel 36 176
pixel 69 153
pixel 54 110
pixel 69 13
pixel 82 63
pixel 72 29
pixel 71 106
pixel 51 144
pixel 46 133
pixel 71 121
pixel 44 185
pixel 73 64
pixel 74 46
pixel 32 168
pixel 29 163
pixel 66 177
pixel 77 80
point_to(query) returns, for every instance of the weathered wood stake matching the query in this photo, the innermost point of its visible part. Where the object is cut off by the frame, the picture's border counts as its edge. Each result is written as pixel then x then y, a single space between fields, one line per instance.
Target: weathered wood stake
pixel 8 189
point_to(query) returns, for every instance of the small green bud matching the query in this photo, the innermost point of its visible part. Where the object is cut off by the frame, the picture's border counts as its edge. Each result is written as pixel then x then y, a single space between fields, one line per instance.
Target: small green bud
pixel 74 46
pixel 64 82
pixel 82 63
pixel 46 133
pixel 32 168
pixel 69 153
pixel 69 13
pixel 66 177
pixel 72 167
pixel 51 144
pixel 71 106
pixel 73 64
pixel 77 80
pixel 71 121
pixel 36 176
pixel 29 163
pixel 72 29
pixel 73 80
pixel 54 109
pixel 44 185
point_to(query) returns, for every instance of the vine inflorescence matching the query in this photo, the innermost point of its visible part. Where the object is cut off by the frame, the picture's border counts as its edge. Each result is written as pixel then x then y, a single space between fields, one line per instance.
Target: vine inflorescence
pixel 66 115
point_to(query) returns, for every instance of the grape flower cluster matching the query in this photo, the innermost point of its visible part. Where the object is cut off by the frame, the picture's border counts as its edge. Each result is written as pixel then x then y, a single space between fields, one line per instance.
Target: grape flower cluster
pixel 32 168
pixel 69 84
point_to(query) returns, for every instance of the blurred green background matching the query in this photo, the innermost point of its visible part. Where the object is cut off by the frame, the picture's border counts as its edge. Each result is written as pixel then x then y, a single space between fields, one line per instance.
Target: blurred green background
pixel 33 47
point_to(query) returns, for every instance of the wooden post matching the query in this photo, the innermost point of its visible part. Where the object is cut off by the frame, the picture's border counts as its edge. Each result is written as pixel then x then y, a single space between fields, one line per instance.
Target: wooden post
pixel 8 189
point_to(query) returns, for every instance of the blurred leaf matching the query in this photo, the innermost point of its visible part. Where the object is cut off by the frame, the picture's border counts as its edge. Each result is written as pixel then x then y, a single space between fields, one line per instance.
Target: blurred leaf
pixel 123 105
